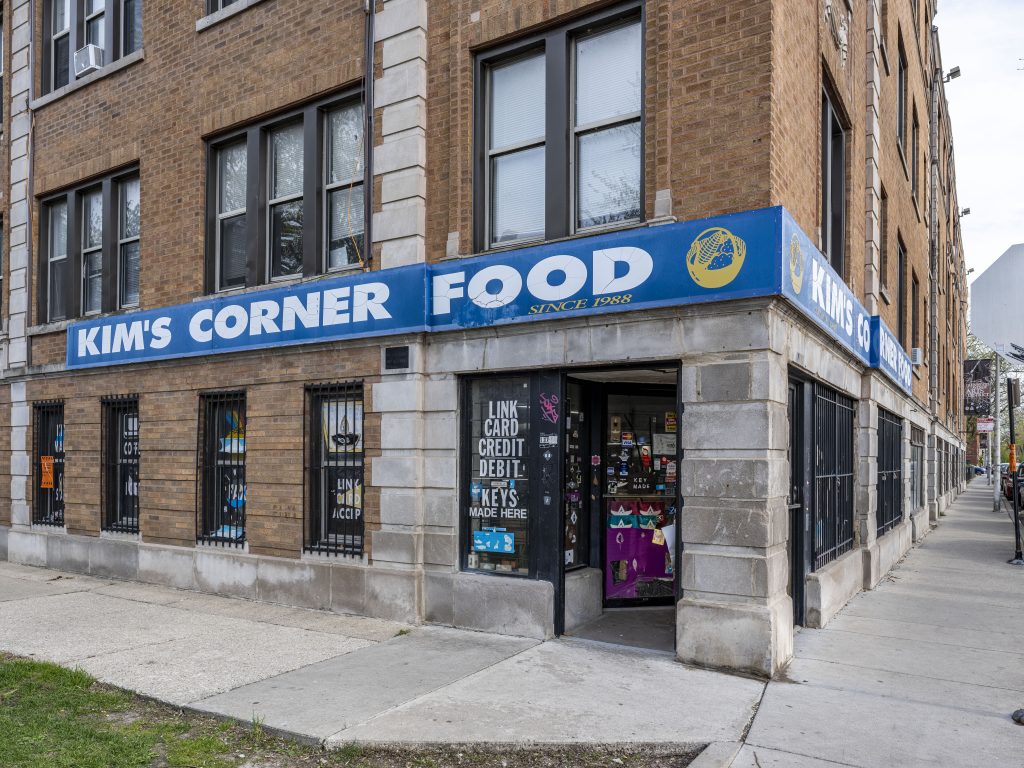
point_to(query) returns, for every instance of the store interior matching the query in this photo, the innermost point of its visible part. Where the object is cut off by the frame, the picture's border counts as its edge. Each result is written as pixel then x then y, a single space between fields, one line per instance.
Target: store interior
pixel 621 505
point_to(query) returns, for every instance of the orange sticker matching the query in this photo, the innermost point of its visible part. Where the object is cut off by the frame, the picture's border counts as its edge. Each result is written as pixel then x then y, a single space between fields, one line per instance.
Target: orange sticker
pixel 46 466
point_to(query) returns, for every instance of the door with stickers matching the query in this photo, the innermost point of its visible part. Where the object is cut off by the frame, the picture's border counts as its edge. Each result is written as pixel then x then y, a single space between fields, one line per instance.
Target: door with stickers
pixel 639 496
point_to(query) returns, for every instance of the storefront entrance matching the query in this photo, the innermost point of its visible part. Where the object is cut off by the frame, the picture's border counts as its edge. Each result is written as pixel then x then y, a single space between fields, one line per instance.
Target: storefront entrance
pixel 621 502
pixel 572 477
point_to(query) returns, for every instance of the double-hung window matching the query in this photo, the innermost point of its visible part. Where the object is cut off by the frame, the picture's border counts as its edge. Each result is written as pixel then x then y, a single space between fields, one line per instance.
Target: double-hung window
pixel 833 185
pixel 113 26
pixel 90 248
pixel 60 43
pixel 559 132
pixel 901 99
pixel 92 251
pixel 286 197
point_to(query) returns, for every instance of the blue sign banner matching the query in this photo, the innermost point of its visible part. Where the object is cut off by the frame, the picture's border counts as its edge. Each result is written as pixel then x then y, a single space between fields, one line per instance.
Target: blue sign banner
pixel 742 255
pixel 888 355
pixel 811 284
pixel 728 257
pixel 349 307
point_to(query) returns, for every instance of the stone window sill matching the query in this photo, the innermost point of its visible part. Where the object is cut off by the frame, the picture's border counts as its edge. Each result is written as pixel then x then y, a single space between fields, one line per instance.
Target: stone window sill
pixel 223 14
pixel 116 66
pixel 45 328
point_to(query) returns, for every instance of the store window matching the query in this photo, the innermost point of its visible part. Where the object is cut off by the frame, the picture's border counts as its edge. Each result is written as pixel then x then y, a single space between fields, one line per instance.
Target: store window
pixel 90 256
pixel 497 507
pixel 222 468
pixel 114 27
pixel 286 197
pixel 334 518
pixel 48 501
pixel 121 464
pixel 889 488
pixel 559 131
pixel 833 475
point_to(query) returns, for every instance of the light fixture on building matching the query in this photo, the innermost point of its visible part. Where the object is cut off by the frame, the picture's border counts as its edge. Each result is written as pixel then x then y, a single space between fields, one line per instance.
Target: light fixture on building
pixel 953 74
pixel 965 212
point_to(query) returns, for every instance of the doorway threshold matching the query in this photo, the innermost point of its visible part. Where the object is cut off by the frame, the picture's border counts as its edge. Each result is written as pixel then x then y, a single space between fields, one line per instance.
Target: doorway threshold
pixel 649 628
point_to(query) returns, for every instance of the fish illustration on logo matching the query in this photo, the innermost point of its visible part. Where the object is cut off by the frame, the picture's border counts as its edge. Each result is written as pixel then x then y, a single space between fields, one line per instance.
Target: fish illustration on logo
pixel 715 257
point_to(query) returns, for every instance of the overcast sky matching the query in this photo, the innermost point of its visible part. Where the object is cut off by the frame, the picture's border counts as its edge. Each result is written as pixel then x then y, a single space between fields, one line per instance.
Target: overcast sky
pixel 985 38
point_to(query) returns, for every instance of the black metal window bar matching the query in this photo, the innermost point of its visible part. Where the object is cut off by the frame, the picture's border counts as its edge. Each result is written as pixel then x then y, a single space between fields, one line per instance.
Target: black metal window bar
pixel 917 467
pixel 890 471
pixel 222 468
pixel 335 469
pixel 833 475
pixel 48 501
pixel 121 464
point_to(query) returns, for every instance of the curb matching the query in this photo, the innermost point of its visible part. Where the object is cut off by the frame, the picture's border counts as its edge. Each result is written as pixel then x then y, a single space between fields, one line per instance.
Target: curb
pixel 717 754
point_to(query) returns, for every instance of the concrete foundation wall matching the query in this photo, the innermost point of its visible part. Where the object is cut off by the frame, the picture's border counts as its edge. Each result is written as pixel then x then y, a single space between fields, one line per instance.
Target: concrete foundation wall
pixel 831 587
pixel 341 587
pixel 584 593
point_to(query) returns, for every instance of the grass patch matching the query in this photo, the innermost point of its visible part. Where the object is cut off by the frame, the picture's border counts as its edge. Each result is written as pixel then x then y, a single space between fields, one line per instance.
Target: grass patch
pixel 51 717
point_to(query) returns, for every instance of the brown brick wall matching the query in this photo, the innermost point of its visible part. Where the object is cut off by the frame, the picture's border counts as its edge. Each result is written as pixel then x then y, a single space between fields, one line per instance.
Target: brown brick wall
pixel 708 71
pixel 274 383
pixel 189 86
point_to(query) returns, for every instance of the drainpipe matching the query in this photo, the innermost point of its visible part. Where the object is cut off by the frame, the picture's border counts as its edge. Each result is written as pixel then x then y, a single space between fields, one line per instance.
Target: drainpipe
pixel 369 55
pixel 933 250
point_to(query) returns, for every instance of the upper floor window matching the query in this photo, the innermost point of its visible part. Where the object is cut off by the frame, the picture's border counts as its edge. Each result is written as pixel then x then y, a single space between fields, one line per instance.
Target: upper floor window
pixel 219 5
pixel 114 27
pixel 914 168
pixel 89 251
pixel 286 197
pixel 833 185
pixel 559 132
pixel 901 293
pixel 901 98
pixel 883 239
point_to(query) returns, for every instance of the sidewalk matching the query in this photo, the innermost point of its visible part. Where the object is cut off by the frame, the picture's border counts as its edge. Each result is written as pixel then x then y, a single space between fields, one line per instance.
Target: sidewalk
pixel 922 671
pixel 336 679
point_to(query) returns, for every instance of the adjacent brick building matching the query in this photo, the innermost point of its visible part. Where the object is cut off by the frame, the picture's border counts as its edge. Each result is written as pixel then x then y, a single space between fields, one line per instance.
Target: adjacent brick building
pixel 491 367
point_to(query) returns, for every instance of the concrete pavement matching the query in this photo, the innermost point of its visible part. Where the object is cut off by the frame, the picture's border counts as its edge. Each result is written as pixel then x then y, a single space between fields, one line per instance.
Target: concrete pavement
pixel 335 679
pixel 924 670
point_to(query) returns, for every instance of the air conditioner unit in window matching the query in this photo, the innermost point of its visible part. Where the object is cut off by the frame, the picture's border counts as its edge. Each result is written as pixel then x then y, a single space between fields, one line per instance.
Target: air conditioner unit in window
pixel 88 59
pixel 916 356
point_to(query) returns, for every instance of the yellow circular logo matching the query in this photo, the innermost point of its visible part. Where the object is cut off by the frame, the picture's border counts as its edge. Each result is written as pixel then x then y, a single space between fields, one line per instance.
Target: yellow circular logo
pixel 796 264
pixel 715 257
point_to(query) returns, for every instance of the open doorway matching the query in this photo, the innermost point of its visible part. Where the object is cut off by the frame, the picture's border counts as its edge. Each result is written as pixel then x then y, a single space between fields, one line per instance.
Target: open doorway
pixel 621 506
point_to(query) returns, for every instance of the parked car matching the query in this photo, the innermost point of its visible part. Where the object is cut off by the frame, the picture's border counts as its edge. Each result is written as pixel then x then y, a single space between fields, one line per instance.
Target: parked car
pixel 1007 481
pixel 979 470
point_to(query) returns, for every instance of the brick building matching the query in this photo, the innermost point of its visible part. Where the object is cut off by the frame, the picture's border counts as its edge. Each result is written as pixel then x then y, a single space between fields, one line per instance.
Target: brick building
pixel 646 305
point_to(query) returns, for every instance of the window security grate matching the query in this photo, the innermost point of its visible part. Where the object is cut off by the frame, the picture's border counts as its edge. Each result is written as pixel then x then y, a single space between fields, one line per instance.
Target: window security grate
pixel 48 506
pixel 335 469
pixel 222 468
pixel 121 464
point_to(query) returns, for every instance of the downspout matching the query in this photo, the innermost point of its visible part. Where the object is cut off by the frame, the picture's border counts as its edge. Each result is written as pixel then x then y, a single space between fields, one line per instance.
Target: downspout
pixel 933 242
pixel 29 185
pixel 369 55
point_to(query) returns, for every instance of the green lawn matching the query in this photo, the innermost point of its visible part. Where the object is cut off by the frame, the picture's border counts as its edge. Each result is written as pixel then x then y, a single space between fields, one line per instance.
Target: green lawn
pixel 51 717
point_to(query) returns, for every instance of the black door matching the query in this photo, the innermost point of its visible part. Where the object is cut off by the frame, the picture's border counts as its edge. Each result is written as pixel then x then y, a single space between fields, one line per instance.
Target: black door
pixel 799 517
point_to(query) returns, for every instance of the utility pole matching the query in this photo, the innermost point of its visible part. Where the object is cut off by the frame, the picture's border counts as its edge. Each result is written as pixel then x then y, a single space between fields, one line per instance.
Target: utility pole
pixel 1013 400
pixel 997 444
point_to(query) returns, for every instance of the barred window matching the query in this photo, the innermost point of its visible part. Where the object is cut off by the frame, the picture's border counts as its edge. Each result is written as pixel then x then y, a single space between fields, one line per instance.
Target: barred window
pixel 222 468
pixel 48 506
pixel 120 490
pixel 334 518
